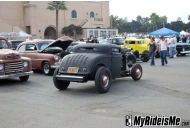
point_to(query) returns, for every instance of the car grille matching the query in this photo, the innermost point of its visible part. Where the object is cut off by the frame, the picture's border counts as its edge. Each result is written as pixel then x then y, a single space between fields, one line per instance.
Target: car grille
pixel 76 60
pixel 187 48
pixel 11 68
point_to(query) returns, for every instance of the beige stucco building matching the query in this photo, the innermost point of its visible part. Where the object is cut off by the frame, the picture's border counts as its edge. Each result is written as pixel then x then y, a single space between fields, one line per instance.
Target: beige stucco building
pixel 34 18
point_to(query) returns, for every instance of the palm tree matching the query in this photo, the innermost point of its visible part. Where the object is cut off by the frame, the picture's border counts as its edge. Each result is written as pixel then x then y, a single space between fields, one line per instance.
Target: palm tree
pixel 57 5
pixel 113 20
pixel 154 20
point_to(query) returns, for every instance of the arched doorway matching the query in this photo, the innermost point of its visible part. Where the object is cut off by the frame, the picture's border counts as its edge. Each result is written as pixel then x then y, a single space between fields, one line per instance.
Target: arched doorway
pixel 50 33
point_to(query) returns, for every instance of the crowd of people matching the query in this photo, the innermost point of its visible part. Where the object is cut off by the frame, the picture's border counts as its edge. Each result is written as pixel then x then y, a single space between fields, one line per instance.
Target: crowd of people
pixel 161 45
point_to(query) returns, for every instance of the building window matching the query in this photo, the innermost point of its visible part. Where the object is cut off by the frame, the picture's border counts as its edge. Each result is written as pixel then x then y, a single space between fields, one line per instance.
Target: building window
pixel 91 33
pixel 96 33
pixel 114 32
pixel 74 14
pixel 110 33
pixel 91 14
pixel 102 33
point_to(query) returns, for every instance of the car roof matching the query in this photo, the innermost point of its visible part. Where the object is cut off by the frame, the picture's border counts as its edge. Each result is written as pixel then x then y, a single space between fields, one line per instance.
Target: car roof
pixel 3 38
pixel 36 41
pixel 102 48
pixel 117 37
pixel 133 39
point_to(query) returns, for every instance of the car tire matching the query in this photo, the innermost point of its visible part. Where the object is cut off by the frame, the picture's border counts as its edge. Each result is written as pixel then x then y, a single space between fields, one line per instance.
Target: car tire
pixel 103 79
pixel 145 57
pixel 24 78
pixel 47 68
pixel 59 84
pixel 136 72
pixel 131 58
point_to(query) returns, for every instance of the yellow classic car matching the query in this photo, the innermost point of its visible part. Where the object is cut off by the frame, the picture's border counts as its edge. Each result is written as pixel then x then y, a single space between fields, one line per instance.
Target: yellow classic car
pixel 139 45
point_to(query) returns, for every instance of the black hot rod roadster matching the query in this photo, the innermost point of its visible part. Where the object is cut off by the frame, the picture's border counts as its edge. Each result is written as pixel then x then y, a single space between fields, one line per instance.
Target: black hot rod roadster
pixel 95 62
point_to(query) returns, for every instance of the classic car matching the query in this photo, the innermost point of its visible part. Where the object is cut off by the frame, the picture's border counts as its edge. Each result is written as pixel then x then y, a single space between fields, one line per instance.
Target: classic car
pixel 116 40
pixel 138 47
pixel 45 53
pixel 183 48
pixel 15 43
pixel 12 64
pixel 70 47
pixel 95 62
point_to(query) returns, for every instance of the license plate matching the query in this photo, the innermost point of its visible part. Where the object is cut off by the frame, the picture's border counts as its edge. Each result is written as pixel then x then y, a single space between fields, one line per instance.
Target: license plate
pixel 73 70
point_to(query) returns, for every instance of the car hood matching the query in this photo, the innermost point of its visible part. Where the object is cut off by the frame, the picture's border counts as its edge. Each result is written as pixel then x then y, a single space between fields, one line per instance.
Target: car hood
pixel 8 54
pixel 62 42
pixel 182 44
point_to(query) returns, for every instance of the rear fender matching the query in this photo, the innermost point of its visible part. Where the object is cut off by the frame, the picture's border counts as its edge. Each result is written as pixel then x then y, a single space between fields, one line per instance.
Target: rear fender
pixel 95 68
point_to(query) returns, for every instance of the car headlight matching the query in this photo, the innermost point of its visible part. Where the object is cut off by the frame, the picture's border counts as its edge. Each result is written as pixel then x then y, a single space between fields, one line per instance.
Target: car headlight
pixel 25 64
pixel 56 57
pixel 1 67
pixel 183 49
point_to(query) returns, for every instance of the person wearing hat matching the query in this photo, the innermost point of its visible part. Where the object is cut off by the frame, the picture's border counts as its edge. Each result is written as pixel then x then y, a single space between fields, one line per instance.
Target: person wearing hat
pixel 163 50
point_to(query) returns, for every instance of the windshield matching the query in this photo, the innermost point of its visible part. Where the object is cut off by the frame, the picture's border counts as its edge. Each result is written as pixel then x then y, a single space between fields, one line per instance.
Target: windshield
pixel 43 45
pixel 3 44
pixel 16 43
pixel 118 41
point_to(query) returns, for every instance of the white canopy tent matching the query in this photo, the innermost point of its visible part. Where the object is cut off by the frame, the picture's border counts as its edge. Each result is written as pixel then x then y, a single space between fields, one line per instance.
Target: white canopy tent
pixel 183 33
pixel 23 34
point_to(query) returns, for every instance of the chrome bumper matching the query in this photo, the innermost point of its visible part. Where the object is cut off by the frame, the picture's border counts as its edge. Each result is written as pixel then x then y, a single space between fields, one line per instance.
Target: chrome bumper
pixel 57 64
pixel 16 75
pixel 71 78
pixel 184 52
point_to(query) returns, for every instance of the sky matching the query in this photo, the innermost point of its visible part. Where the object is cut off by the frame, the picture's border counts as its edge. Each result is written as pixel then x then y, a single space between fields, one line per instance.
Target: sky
pixel 132 8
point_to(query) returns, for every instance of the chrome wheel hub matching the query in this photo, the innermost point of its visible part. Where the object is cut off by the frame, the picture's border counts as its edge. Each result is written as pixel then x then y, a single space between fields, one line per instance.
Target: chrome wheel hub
pixel 105 80
pixel 138 72
pixel 46 68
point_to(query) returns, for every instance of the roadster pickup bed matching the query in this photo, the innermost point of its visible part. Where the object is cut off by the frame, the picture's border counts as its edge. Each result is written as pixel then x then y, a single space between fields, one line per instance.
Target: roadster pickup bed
pixel 95 62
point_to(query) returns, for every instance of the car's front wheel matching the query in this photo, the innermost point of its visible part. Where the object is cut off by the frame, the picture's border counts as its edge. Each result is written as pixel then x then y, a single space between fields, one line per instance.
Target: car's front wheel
pixel 136 72
pixel 47 68
pixel 103 80
pixel 59 84
pixel 24 78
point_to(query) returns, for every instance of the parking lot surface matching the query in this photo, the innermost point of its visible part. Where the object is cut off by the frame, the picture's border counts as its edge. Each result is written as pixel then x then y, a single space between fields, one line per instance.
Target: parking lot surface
pixel 162 90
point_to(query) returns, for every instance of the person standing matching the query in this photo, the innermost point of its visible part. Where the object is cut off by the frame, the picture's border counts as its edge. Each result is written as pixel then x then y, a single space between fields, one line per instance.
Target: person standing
pixel 152 50
pixel 88 40
pixel 163 50
pixel 172 43
pixel 94 40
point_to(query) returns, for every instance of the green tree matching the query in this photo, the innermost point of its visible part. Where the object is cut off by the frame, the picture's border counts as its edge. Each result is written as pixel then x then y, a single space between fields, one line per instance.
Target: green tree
pixel 139 19
pixel 179 19
pixel 188 17
pixel 72 30
pixel 162 21
pixel 154 20
pixel 57 5
pixel 113 20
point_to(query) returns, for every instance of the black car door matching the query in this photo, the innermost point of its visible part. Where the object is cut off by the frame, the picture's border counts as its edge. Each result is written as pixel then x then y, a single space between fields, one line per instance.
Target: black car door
pixel 116 62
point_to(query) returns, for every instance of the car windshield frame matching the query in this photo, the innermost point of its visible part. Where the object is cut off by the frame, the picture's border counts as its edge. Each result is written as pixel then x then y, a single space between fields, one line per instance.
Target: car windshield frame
pixel 40 44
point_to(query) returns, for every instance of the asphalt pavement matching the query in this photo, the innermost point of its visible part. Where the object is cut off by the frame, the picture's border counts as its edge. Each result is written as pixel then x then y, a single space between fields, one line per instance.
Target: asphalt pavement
pixel 163 90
